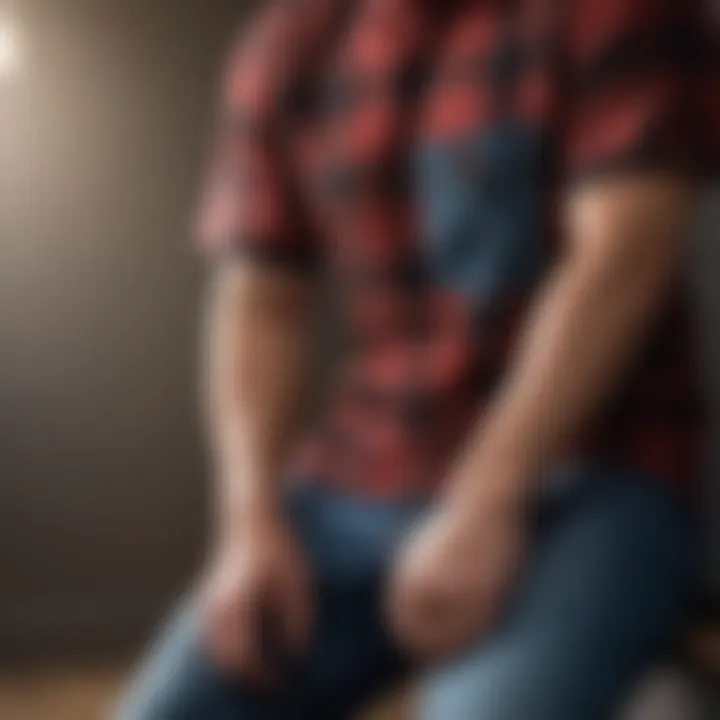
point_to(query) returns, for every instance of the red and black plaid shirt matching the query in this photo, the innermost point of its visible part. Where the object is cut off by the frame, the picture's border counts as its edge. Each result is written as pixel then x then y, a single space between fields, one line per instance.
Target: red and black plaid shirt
pixel 416 150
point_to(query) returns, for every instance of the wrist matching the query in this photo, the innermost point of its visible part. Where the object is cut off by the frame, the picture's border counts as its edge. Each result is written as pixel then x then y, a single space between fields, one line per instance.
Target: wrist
pixel 246 508
pixel 246 528
pixel 484 488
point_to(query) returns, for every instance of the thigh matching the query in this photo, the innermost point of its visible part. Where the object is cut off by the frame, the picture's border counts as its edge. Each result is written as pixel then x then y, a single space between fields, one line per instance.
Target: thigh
pixel 176 681
pixel 348 662
pixel 347 543
pixel 605 587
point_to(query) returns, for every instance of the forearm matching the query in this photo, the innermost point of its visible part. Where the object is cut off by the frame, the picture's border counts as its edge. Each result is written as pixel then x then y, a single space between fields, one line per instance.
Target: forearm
pixel 257 339
pixel 587 325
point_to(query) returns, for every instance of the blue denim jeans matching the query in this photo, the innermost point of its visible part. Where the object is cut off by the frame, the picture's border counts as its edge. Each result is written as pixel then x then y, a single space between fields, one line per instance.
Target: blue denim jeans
pixel 604 588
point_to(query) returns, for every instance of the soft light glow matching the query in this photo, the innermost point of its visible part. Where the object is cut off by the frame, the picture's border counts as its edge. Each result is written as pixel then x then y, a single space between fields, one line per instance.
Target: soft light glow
pixel 10 49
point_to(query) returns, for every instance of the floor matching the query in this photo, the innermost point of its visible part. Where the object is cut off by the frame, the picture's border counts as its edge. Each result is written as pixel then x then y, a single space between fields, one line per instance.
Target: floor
pixel 59 693
pixel 86 692
pixel 81 693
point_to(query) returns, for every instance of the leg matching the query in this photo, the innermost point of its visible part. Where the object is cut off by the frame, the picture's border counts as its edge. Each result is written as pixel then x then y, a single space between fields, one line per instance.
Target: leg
pixel 347 543
pixel 604 590
pixel 177 682
pixel 348 662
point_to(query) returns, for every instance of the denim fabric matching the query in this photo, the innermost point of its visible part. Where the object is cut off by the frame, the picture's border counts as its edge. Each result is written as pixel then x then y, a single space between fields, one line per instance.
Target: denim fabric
pixel 604 587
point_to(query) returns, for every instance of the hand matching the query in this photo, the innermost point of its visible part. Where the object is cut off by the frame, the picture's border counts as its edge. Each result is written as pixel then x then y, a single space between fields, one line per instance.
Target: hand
pixel 258 582
pixel 451 578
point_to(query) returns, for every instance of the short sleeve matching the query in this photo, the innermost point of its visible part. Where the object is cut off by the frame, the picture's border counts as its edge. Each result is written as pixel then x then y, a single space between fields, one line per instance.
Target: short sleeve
pixel 250 204
pixel 639 80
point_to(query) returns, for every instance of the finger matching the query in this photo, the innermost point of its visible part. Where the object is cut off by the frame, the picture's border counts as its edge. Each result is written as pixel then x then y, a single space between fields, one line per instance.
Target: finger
pixel 250 657
pixel 222 644
pixel 215 627
pixel 225 632
pixel 231 633
pixel 293 606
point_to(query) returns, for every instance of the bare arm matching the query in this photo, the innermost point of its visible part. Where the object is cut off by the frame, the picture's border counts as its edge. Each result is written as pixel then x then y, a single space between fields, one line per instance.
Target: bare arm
pixel 257 346
pixel 587 324
pixel 622 256
pixel 624 130
pixel 256 340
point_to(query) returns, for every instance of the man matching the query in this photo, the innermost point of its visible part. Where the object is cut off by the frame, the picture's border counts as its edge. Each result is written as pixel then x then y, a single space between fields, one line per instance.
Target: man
pixel 497 496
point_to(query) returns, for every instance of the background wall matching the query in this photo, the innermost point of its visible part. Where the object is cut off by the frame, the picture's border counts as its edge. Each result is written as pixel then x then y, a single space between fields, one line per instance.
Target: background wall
pixel 102 137
pixel 102 490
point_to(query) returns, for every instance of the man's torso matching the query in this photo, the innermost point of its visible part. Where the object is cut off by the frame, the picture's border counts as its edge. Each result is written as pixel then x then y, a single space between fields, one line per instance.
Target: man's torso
pixel 423 152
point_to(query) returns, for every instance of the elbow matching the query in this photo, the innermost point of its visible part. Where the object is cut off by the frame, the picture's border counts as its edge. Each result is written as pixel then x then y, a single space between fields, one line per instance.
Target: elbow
pixel 634 285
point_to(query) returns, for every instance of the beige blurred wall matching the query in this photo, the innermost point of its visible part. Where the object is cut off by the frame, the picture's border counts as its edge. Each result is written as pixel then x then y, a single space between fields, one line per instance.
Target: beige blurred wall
pixel 102 136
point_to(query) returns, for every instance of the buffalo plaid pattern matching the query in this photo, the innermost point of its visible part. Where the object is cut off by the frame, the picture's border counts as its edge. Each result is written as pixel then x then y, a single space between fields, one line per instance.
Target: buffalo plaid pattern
pixel 416 151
